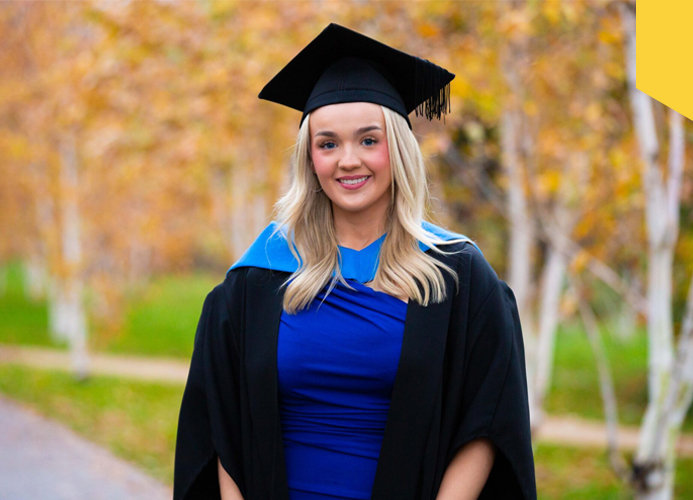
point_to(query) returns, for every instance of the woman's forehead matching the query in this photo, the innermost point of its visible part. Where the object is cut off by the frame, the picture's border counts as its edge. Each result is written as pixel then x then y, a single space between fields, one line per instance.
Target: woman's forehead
pixel 346 115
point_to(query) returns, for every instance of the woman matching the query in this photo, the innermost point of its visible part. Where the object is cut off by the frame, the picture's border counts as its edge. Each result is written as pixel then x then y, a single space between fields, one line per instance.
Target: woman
pixel 355 350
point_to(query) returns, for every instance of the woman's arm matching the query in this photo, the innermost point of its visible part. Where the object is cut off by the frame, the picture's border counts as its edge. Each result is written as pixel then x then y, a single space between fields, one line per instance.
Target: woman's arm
pixel 229 490
pixel 468 471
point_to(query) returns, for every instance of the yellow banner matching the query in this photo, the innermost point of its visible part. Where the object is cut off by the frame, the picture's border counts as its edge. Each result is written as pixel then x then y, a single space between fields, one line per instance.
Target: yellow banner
pixel 664 52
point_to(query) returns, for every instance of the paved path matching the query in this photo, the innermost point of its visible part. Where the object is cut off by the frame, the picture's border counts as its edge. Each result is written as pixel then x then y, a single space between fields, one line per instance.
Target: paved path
pixel 582 433
pixel 567 430
pixel 41 459
pixel 125 366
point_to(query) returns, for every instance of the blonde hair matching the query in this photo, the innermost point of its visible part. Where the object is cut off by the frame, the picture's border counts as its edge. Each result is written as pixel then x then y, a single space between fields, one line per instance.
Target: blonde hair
pixel 305 212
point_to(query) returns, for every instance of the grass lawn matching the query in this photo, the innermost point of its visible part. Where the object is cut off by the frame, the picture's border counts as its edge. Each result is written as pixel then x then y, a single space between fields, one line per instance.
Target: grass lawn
pixel 162 320
pixel 575 385
pixel 159 321
pixel 137 421
pixel 23 321
pixel 584 474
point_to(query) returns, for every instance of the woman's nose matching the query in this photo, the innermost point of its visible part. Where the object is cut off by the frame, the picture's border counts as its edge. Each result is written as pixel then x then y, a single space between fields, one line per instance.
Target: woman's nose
pixel 349 158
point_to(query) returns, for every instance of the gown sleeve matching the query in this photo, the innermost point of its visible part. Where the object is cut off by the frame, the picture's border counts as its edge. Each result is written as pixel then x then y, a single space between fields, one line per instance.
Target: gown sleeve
pixel 494 402
pixel 208 424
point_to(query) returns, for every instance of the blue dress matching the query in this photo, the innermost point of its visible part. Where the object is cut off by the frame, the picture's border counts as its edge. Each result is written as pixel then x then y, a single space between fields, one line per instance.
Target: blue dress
pixel 336 363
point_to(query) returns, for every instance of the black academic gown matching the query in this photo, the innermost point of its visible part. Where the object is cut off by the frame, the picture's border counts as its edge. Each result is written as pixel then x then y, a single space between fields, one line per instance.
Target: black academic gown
pixel 461 376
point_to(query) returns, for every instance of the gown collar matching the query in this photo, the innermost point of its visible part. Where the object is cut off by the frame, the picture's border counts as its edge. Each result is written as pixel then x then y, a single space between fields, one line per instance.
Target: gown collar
pixel 270 251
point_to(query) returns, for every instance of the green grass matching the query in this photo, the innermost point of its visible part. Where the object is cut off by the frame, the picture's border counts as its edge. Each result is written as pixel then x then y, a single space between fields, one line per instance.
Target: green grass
pixel 575 384
pixel 161 321
pixel 584 473
pixel 21 320
pixel 136 421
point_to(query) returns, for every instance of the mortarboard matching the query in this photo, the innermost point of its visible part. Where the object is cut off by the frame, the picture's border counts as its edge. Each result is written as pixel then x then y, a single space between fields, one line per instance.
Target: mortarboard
pixel 342 65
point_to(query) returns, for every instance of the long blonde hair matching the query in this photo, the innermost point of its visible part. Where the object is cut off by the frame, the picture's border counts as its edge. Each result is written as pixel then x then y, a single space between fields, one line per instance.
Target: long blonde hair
pixel 305 213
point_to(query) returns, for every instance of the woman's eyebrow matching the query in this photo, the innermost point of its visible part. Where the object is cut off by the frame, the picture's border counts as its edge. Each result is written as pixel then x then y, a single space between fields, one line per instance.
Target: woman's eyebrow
pixel 362 130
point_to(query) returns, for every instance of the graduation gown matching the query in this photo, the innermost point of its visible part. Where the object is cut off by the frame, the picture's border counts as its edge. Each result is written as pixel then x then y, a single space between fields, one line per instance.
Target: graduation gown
pixel 461 376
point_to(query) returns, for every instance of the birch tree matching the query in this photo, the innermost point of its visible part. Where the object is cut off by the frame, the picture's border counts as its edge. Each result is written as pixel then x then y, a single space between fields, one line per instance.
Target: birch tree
pixel 67 284
pixel 670 362
pixel 539 144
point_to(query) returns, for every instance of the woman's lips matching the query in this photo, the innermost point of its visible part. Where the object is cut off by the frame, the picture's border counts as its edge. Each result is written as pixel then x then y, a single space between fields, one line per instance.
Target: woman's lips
pixel 354 183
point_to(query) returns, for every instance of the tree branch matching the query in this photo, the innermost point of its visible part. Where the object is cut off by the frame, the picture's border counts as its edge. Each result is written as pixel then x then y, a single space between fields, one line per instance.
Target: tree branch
pixel 568 246
pixel 606 383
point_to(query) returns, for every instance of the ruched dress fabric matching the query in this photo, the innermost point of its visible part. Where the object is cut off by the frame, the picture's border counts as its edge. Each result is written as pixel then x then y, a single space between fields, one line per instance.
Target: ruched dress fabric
pixel 336 363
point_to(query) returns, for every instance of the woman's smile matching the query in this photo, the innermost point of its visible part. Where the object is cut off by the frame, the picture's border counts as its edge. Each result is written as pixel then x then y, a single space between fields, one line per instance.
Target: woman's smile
pixel 353 182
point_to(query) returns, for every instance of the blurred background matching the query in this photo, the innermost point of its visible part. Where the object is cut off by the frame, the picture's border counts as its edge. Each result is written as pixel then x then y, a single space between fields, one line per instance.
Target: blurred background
pixel 138 164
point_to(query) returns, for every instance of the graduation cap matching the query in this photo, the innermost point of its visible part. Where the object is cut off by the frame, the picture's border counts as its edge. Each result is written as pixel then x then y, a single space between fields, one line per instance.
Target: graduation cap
pixel 342 65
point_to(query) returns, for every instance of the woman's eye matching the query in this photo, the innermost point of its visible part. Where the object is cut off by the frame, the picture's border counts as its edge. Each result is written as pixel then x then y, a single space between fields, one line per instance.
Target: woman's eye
pixel 370 140
pixel 325 145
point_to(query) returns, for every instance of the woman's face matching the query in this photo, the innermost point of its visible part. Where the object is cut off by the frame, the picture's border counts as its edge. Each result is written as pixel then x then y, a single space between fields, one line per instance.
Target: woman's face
pixel 351 158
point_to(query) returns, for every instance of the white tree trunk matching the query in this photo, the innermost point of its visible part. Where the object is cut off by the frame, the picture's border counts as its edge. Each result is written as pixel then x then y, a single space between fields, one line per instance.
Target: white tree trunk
pixel 221 212
pixel 606 383
pixel 57 317
pixel 139 261
pixel 522 230
pixel 558 226
pixel 520 247
pixel 3 280
pixel 551 290
pixel 34 278
pixel 669 383
pixel 679 395
pixel 37 278
pixel 625 323
pixel 248 199
pixel 239 232
pixel 259 204
pixel 68 291
pixel 521 227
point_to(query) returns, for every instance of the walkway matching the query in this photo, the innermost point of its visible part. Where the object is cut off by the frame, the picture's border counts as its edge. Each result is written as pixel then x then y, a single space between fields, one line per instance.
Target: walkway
pixel 132 367
pixel 41 459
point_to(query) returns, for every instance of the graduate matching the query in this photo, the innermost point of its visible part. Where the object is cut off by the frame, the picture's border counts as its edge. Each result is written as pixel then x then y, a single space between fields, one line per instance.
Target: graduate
pixel 357 350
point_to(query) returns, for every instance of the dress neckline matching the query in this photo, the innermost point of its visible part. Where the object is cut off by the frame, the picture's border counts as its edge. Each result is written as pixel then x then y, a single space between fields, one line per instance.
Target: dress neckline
pixel 361 265
pixel 368 248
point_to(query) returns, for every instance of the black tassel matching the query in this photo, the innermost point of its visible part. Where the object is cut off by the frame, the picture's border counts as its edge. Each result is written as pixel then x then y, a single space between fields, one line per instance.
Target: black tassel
pixel 432 90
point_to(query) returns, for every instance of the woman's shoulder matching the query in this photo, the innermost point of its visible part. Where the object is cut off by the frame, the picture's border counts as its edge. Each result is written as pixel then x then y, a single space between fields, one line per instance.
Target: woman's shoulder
pixel 442 233
pixel 474 269
pixel 269 250
pixel 239 280
pixel 228 291
pixel 461 245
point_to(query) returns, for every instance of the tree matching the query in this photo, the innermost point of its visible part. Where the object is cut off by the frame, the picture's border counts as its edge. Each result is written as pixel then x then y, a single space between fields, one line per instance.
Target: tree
pixel 670 365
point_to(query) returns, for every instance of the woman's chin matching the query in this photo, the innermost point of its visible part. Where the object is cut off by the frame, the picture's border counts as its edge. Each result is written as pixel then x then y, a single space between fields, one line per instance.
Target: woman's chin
pixel 352 207
pixel 359 204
